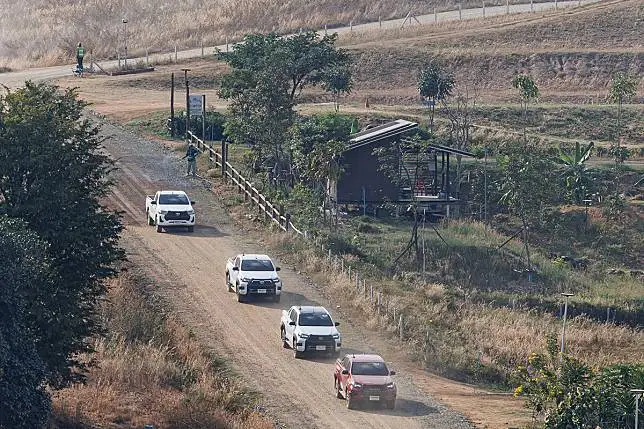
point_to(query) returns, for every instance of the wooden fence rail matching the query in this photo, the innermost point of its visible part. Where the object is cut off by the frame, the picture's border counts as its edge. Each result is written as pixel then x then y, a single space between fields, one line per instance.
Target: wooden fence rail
pixel 219 158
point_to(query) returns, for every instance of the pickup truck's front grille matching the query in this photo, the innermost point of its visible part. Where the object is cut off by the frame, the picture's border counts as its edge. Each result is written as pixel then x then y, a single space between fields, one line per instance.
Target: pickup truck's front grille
pixel 374 389
pixel 320 340
pixel 268 285
pixel 177 216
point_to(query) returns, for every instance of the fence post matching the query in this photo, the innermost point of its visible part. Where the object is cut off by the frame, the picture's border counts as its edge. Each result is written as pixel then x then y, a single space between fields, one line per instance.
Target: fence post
pixel 483 8
pixel 400 326
pixel 380 21
pixel 202 49
pixel 147 57
pixel 349 271
pixel 351 26
pixel 329 254
pixel 435 17
pixel 175 54
pixel 460 12
pixel 226 43
pixel 394 313
pixel 357 280
pixel 224 156
pixel 507 6
pixel 325 30
pixel 288 221
pixel 532 6
pixel 371 294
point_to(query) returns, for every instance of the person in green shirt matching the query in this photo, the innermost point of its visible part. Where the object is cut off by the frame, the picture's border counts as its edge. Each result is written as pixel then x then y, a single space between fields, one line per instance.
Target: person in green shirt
pixel 80 53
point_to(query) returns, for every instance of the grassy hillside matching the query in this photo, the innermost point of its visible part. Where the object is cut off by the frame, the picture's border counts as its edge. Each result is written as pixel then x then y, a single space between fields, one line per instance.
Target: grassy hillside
pixel 571 56
pixel 36 32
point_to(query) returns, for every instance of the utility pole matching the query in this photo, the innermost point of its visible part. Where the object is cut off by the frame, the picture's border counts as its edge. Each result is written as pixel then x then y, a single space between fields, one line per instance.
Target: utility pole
pixel 172 130
pixel 185 74
pixel 638 395
pixel 125 39
pixel 563 331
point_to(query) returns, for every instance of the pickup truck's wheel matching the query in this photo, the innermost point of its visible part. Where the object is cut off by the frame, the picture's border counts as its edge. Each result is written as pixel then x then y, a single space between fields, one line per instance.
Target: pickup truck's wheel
pixel 296 354
pixel 283 336
pixel 390 405
pixel 240 297
pixel 228 285
pixel 276 298
pixel 191 229
pixel 150 220
pixel 337 388
pixel 159 227
pixel 351 403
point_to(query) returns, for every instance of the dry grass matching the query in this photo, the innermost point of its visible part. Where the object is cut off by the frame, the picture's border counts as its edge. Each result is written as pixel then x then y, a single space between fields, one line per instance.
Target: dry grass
pixel 152 371
pixel 37 32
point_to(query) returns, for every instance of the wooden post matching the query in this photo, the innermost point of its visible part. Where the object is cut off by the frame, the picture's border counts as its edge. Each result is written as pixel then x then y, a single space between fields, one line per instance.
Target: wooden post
pixel 460 12
pixel 202 49
pixel 556 5
pixel 351 25
pixel 185 71
pixel 435 17
pixel 507 6
pixel 203 118
pixel 400 326
pixel 147 57
pixel 349 271
pixel 371 294
pixel 483 8
pixel 175 54
pixel 226 43
pixel 325 30
pixel 532 6
pixel 357 280
pixel 172 130
pixel 329 255
pixel 224 157
pixel 288 221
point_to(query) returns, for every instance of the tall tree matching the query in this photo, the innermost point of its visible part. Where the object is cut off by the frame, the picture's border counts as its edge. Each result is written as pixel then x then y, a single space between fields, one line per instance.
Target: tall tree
pixel 434 85
pixel 526 185
pixel 54 176
pixel 623 86
pixel 528 91
pixel 268 73
pixel 24 402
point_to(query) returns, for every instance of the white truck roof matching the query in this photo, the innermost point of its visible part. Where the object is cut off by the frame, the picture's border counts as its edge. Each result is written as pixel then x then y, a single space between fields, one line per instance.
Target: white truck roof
pixel 171 192
pixel 256 256
pixel 311 309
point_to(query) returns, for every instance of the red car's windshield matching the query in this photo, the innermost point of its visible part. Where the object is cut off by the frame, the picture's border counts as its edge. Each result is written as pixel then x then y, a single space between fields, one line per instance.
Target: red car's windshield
pixel 369 368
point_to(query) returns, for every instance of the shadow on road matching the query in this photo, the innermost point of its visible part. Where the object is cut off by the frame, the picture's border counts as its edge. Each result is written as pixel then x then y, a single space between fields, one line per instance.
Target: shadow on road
pixel 200 231
pixel 404 407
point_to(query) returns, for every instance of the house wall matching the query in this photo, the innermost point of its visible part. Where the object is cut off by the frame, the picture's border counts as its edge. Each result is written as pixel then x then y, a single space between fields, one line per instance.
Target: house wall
pixel 361 170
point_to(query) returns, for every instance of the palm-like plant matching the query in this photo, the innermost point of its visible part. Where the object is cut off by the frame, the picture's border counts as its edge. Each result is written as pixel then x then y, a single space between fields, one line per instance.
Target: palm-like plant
pixel 575 172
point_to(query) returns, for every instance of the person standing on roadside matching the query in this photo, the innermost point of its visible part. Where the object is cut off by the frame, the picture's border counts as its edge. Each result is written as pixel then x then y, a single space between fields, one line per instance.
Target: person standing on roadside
pixel 191 154
pixel 80 54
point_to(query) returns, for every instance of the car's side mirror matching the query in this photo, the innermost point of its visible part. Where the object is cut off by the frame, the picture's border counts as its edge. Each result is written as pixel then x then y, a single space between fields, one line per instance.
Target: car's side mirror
pixel 291 323
pixel 345 372
pixel 277 268
pixel 337 323
pixel 235 268
pixel 193 202
pixel 153 202
pixel 392 372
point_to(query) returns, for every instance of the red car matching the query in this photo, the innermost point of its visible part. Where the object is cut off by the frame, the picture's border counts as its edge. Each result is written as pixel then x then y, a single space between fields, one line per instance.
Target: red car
pixel 364 378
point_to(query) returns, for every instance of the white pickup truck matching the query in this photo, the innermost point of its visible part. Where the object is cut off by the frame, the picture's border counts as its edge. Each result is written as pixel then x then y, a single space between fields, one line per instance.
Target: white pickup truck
pixel 253 275
pixel 170 208
pixel 309 329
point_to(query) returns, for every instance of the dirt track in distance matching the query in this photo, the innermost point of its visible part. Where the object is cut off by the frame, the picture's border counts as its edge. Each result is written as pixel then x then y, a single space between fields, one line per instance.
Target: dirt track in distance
pixel 189 273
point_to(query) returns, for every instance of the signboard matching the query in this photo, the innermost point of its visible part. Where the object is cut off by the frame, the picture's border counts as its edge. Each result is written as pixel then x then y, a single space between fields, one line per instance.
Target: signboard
pixel 195 105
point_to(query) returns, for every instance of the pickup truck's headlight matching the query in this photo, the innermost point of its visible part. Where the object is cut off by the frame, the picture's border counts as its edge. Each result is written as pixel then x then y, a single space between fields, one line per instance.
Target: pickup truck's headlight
pixel 336 336
pixel 390 386
pixel 163 212
pixel 191 212
pixel 303 336
pixel 244 279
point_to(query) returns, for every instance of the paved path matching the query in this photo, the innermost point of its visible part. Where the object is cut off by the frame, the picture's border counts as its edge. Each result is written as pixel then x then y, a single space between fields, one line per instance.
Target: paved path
pixel 15 79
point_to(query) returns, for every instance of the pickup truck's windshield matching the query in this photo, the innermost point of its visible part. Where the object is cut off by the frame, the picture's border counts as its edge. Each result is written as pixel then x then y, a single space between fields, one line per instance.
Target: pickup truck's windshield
pixel 256 265
pixel 173 199
pixel 315 319
pixel 369 368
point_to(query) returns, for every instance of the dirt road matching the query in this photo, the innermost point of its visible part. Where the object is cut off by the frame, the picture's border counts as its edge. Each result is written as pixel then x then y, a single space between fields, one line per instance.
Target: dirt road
pixel 189 273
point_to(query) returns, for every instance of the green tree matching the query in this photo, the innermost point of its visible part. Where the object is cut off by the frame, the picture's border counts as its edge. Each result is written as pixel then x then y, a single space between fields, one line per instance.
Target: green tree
pixel 24 402
pixel 54 176
pixel 574 172
pixel 434 85
pixel 623 86
pixel 566 393
pixel 528 91
pixel 338 81
pixel 526 185
pixel 268 72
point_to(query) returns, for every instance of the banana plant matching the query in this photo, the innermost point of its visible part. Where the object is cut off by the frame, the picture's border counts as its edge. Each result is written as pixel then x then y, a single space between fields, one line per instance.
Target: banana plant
pixel 575 172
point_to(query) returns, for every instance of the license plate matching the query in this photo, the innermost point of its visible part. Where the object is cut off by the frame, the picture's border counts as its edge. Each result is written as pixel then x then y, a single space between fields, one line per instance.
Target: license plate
pixel 261 290
pixel 320 347
pixel 374 398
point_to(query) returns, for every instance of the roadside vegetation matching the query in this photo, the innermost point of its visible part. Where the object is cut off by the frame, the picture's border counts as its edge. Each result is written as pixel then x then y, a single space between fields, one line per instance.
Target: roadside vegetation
pixel 152 370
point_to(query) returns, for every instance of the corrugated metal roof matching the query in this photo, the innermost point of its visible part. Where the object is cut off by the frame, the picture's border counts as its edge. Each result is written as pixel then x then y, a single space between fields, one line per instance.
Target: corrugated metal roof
pixel 390 129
